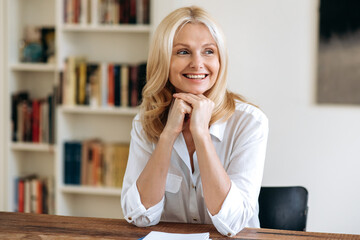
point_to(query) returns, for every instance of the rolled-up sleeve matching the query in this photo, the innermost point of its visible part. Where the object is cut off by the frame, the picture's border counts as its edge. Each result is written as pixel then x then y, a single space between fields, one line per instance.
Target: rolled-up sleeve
pixel 245 171
pixel 139 153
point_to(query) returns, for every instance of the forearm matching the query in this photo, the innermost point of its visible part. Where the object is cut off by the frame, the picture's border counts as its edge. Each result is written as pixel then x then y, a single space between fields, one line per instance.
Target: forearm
pixel 152 180
pixel 215 181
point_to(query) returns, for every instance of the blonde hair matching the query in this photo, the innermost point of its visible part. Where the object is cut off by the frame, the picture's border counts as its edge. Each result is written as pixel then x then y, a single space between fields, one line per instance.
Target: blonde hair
pixel 157 93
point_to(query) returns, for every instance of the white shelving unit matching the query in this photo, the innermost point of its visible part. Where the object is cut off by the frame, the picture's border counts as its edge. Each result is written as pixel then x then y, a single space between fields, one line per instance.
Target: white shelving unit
pixel 128 28
pixel 3 147
pixel 33 147
pixel 97 43
pixel 38 79
pixel 120 111
pixel 86 190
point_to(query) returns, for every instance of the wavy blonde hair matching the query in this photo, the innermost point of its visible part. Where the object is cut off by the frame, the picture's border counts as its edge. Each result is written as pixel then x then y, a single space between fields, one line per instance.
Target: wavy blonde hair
pixel 158 91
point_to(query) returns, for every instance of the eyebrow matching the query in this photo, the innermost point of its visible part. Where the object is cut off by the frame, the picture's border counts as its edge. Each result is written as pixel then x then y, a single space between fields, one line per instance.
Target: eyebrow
pixel 186 45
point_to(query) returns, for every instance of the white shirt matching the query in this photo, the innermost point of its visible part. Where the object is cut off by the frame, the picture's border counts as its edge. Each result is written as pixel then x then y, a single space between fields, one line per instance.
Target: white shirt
pixel 240 143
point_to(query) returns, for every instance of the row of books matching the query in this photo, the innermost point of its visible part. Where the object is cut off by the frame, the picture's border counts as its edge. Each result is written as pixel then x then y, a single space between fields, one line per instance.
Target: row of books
pixel 34 195
pixel 107 11
pixel 95 163
pixel 33 120
pixel 101 84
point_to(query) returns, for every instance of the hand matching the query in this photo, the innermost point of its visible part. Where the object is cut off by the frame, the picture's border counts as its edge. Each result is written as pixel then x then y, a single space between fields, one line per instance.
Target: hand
pixel 175 122
pixel 202 108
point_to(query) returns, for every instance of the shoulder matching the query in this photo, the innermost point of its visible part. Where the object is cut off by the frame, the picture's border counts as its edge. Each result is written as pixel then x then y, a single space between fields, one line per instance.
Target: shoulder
pixel 247 111
pixel 137 126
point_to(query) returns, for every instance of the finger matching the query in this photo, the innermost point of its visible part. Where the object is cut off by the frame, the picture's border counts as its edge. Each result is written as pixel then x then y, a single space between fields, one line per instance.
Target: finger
pixel 190 98
pixel 186 106
pixel 183 106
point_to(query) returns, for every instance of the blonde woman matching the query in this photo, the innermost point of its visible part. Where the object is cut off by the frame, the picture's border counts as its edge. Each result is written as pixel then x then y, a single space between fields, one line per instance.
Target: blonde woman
pixel 197 150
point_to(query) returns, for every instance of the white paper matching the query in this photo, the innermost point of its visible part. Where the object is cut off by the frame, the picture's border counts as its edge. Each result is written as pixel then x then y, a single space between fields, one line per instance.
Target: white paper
pixel 154 235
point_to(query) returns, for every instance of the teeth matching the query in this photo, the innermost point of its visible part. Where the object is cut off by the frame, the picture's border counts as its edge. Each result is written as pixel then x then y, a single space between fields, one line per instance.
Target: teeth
pixel 195 76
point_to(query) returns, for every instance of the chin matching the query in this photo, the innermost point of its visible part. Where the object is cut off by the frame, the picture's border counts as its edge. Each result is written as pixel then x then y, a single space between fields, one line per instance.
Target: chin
pixel 195 91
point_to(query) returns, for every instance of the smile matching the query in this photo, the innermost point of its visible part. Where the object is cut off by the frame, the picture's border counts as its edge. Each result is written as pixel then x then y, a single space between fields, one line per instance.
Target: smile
pixel 195 76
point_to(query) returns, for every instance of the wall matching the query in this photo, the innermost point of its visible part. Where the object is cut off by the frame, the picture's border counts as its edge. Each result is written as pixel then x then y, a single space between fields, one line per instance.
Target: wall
pixel 2 107
pixel 273 52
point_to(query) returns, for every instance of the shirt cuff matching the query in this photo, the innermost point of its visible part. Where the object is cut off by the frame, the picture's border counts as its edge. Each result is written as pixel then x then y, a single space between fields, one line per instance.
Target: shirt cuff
pixel 139 215
pixel 231 207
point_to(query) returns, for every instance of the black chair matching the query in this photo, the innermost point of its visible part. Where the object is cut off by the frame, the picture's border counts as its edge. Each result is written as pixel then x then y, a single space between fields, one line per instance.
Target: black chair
pixel 283 208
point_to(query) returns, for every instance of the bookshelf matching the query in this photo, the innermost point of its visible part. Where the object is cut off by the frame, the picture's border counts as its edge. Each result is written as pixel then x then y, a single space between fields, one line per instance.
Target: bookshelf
pixel 99 43
pixel 34 154
pixel 33 67
pixel 3 148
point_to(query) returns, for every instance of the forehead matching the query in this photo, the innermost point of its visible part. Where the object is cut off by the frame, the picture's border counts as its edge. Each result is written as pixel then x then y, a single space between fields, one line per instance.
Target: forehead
pixel 193 32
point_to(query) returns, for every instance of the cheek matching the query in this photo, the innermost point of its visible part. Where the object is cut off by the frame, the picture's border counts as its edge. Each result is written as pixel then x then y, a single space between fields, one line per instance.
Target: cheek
pixel 215 67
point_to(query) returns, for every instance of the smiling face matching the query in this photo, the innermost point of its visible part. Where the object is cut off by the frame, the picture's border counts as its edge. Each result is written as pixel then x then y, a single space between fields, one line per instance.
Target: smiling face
pixel 194 64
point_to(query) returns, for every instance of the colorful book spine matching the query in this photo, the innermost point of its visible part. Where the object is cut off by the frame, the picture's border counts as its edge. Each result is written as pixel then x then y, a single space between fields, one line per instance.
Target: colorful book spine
pixel 104 84
pixel 95 163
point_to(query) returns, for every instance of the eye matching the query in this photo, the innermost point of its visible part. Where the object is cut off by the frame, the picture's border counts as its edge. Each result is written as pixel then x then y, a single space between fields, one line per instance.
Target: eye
pixel 209 51
pixel 182 52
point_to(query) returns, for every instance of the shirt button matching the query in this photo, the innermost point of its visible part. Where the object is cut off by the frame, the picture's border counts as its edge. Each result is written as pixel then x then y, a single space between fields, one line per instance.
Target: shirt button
pixel 129 218
pixel 192 185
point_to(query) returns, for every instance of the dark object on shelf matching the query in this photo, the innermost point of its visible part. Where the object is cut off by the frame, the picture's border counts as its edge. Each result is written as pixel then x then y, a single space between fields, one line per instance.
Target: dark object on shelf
pixel 32 52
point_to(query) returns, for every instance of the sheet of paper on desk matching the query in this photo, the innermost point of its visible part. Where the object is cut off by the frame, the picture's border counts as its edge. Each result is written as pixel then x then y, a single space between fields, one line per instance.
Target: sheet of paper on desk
pixel 154 235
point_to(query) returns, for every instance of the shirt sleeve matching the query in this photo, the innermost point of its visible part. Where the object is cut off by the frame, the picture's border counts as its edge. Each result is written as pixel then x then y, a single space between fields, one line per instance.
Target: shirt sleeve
pixel 139 153
pixel 245 171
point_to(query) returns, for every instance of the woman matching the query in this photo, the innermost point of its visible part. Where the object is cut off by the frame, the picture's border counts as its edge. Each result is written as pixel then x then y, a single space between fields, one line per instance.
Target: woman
pixel 197 151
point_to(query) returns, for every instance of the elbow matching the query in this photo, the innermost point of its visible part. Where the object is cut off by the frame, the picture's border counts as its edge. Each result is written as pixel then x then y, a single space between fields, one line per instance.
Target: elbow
pixel 233 223
pixel 144 221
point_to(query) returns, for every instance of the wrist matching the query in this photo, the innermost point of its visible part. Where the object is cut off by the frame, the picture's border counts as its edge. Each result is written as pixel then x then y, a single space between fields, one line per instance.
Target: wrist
pixel 168 136
pixel 200 133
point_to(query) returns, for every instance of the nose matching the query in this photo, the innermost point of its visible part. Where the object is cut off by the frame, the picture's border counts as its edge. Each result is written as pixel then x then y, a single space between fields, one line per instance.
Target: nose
pixel 197 61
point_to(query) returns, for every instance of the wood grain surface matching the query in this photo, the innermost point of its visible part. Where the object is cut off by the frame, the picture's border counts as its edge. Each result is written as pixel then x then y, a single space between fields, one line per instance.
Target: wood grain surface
pixel 41 226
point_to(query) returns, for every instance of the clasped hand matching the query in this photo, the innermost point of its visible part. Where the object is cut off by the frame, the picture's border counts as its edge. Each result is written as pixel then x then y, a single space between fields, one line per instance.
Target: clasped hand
pixel 199 109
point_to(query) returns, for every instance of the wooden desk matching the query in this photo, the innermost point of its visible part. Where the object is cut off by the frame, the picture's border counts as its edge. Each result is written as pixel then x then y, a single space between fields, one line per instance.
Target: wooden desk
pixel 34 226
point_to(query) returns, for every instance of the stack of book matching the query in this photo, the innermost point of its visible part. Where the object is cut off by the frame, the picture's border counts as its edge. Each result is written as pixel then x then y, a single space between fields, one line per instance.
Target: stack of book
pixel 95 163
pixel 107 11
pixel 33 120
pixel 101 84
pixel 34 195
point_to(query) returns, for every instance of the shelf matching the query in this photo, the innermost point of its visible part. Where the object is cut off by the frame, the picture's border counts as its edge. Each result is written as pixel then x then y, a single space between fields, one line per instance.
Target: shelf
pixel 89 190
pixel 33 147
pixel 33 67
pixel 123 111
pixel 129 28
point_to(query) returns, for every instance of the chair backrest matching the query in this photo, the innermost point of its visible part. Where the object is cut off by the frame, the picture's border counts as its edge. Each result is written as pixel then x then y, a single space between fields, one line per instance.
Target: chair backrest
pixel 283 208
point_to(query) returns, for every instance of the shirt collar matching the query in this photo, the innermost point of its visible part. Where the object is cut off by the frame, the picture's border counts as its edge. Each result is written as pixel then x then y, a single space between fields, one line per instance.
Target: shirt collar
pixel 217 129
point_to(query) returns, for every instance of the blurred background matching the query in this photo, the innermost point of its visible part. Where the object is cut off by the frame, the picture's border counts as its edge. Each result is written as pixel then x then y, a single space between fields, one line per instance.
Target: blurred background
pixel 311 97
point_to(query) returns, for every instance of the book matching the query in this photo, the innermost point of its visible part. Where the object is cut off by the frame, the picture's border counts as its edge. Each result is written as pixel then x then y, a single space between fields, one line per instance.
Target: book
pixel 124 85
pixel 81 89
pixel 94 78
pixel 133 86
pixel 85 155
pixel 119 164
pixel 176 236
pixel 20 195
pixel 117 85
pixel 104 83
pixel 36 196
pixel 111 85
pixel 35 120
pixel 95 163
pixel 16 99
